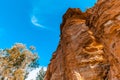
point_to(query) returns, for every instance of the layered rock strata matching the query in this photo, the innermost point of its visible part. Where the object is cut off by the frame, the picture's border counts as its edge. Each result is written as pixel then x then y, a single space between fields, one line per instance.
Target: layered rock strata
pixel 89 45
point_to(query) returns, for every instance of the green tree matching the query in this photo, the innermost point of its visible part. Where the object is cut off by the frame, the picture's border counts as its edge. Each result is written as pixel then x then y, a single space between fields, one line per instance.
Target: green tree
pixel 41 74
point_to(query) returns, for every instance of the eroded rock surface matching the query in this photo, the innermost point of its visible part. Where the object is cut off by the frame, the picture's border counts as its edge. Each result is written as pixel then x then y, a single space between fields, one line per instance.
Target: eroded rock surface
pixel 89 45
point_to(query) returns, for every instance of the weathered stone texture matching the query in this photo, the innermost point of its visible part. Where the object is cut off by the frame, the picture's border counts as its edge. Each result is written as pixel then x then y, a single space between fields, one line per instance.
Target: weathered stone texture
pixel 89 47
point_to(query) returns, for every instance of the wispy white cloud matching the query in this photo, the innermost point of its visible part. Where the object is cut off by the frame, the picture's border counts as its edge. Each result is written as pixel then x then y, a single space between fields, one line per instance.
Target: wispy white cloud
pixel 33 74
pixel 35 22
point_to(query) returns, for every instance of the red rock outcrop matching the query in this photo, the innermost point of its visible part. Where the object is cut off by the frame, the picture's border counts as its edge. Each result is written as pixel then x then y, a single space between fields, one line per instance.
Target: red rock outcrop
pixel 89 45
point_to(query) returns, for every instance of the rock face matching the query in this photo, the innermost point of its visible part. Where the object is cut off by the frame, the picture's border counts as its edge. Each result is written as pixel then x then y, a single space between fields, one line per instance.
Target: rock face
pixel 89 45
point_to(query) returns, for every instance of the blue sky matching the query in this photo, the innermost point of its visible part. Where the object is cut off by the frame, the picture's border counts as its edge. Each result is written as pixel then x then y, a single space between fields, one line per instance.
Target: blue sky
pixel 35 22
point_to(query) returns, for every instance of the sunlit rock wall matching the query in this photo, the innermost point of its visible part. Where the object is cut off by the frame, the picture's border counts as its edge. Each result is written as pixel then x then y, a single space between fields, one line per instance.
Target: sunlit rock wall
pixel 89 45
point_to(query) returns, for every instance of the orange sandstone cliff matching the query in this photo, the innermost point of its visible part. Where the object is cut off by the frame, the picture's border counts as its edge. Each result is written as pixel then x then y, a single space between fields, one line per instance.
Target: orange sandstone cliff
pixel 89 48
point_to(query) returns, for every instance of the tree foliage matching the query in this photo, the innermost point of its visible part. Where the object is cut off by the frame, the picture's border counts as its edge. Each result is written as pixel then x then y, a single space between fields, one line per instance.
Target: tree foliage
pixel 15 61
pixel 41 74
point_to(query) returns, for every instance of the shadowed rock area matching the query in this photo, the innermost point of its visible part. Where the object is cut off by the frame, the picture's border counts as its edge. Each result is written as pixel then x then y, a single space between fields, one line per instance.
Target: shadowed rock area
pixel 89 45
